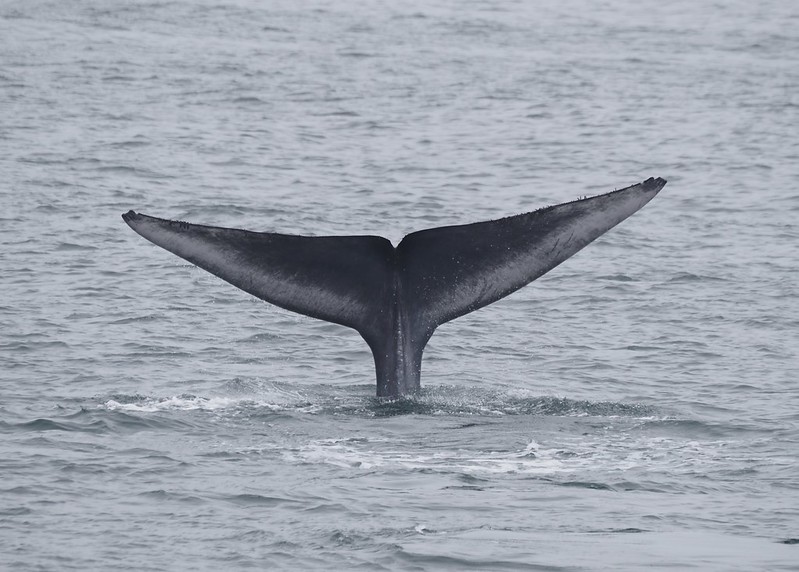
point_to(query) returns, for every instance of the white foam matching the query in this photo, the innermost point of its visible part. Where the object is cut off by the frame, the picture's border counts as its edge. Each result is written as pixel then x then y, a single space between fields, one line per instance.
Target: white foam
pixel 349 454
pixel 183 403
pixel 573 457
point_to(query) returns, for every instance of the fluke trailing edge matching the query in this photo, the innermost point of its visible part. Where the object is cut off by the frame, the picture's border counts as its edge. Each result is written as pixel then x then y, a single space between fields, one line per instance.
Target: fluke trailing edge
pixel 396 297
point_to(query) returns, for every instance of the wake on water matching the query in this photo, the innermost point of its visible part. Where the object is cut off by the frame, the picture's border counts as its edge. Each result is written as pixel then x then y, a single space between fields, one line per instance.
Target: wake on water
pixel 599 445
pixel 439 400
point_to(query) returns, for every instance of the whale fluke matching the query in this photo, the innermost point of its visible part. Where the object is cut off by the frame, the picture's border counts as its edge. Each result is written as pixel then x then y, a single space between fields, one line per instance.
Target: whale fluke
pixel 396 297
pixel 339 279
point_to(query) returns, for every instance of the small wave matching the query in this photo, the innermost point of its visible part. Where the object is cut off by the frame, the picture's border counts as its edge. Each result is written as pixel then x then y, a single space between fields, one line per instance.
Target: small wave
pixel 616 278
pixel 619 531
pixel 129 144
pixel 161 495
pixel 248 99
pixel 341 113
pixel 424 529
pixel 693 428
pixel 67 246
pixel 127 170
pixel 15 511
pixel 691 277
pixel 43 159
pixel 349 538
pixel 98 421
pixel 42 425
pixel 356 54
pixel 135 319
pixel 250 499
pixel 32 345
pixel 587 485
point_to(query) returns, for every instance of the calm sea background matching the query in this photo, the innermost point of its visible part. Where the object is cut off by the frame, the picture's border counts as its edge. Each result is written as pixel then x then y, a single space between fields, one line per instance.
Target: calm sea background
pixel 637 407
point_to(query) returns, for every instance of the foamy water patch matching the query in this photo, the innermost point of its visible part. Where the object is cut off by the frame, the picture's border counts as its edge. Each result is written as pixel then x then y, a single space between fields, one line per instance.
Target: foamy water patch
pixel 184 403
pixel 458 400
pixel 359 401
pixel 369 455
pixel 252 396
pixel 613 461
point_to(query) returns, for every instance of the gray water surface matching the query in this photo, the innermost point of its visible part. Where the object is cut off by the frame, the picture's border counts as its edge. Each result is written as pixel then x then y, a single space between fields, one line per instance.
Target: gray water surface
pixel 637 407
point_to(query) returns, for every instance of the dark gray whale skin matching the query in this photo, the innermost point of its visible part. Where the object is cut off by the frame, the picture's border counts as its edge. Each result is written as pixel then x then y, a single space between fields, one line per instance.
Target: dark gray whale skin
pixel 396 297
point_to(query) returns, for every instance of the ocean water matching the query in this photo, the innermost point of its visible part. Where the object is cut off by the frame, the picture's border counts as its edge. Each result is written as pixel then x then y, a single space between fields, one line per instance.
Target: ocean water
pixel 638 407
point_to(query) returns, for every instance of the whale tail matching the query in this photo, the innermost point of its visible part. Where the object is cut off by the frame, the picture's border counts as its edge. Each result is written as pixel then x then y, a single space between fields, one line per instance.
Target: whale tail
pixel 396 297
